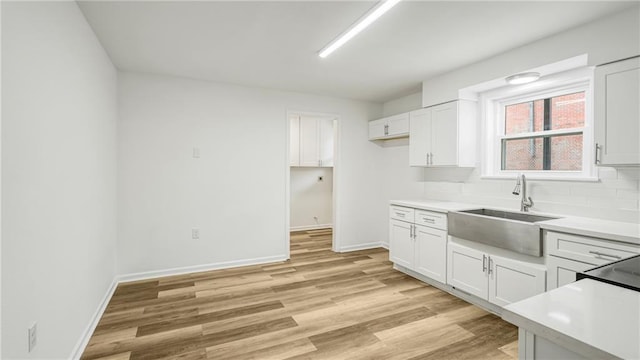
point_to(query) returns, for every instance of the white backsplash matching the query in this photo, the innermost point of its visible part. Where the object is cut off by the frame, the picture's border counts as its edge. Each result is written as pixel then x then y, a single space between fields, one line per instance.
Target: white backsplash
pixel 614 197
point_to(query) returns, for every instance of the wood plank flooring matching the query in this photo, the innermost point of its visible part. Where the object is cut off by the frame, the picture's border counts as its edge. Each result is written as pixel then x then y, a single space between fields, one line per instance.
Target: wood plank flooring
pixel 318 305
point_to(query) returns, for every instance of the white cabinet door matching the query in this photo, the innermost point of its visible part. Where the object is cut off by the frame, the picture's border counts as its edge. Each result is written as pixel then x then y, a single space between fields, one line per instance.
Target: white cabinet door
pixel 398 125
pixel 444 135
pixel 431 252
pixel 309 149
pixel 563 271
pixel 466 270
pixel 315 141
pixel 377 129
pixel 390 127
pixel 419 137
pixel 325 139
pixel 512 280
pixel 294 141
pixel 617 114
pixel 401 243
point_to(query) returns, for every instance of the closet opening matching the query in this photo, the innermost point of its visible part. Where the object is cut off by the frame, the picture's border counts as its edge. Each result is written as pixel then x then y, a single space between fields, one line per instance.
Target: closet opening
pixel 311 181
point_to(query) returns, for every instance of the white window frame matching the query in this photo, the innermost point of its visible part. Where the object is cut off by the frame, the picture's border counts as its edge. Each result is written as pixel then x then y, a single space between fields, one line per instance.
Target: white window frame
pixel 493 102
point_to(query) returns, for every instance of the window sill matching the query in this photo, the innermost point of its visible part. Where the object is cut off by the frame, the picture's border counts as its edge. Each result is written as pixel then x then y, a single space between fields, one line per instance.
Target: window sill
pixel 542 177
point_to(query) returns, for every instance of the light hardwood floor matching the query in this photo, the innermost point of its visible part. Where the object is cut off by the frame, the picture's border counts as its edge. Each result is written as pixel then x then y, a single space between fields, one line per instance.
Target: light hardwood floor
pixel 318 305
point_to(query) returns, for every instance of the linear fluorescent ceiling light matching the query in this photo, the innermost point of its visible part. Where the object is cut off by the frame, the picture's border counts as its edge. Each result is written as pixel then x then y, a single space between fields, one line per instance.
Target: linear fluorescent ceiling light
pixel 371 16
pixel 522 78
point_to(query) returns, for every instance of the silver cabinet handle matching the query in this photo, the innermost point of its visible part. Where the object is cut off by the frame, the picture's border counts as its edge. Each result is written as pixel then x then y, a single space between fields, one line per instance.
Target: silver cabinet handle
pixel 490 265
pixel 597 153
pixel 400 214
pixel 428 220
pixel 484 262
pixel 603 254
pixel 386 129
pixel 428 159
pixel 415 232
pixel 431 159
pixel 411 230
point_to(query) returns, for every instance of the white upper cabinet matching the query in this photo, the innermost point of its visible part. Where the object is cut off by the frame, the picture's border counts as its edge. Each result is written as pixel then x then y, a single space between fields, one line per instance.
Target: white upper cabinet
pixel 617 113
pixel 314 140
pixel 325 141
pixel 390 127
pixel 443 135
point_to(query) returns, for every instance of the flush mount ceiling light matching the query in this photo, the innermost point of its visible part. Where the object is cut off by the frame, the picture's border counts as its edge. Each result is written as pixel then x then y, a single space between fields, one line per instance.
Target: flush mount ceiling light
pixel 371 16
pixel 522 78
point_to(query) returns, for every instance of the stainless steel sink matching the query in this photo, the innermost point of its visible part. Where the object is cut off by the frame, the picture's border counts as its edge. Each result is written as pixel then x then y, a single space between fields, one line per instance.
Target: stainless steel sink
pixel 515 231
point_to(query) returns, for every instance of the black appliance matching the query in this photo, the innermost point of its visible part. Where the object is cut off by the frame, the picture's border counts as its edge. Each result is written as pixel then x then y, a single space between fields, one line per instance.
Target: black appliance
pixel 624 273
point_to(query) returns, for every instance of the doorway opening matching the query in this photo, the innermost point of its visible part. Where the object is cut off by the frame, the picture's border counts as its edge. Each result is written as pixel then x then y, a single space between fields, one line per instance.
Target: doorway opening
pixel 311 179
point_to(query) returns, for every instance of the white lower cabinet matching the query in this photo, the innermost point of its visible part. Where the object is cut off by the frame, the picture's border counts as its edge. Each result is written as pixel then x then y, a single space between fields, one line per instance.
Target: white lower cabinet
pixel 401 243
pixel 496 279
pixel 467 270
pixel 430 252
pixel 563 271
pixel 512 280
pixel 418 241
pixel 570 254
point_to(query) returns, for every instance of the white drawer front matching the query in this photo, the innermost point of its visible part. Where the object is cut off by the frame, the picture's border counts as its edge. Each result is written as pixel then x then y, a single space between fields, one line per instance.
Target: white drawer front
pixel 401 213
pixel 589 250
pixel 431 219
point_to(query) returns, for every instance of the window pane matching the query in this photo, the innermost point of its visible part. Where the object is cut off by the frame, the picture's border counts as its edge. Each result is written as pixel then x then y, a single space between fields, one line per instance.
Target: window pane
pixel 563 112
pixel 562 152
pixel 566 152
pixel 522 154
pixel 524 117
pixel 567 111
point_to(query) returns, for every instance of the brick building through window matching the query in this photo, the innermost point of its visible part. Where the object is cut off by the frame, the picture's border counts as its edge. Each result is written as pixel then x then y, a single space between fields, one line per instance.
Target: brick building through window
pixel 530 141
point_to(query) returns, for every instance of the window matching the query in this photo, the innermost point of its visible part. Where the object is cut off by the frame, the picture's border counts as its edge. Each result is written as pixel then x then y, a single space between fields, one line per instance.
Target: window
pixel 542 130
pixel 544 134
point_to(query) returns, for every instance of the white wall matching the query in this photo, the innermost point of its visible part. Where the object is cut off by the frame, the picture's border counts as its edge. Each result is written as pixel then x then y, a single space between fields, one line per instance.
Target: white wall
pixel 311 197
pixel 235 192
pixel 614 197
pixel 403 104
pixel 58 176
pixel 608 39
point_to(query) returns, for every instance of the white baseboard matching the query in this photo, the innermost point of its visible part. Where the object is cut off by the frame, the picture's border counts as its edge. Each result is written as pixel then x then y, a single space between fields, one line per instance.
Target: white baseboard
pixel 199 268
pixel 365 246
pixel 86 334
pixel 311 227
pixel 385 245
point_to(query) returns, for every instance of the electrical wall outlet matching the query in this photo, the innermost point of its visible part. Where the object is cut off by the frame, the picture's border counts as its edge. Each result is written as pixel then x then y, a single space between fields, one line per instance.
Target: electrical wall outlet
pixel 33 336
pixel 195 233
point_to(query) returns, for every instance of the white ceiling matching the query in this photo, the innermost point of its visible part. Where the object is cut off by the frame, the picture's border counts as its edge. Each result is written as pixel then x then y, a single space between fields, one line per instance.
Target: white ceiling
pixel 274 44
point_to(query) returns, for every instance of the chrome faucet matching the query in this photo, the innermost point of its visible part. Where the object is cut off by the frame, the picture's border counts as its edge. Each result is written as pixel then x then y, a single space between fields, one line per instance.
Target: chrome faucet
pixel 526 202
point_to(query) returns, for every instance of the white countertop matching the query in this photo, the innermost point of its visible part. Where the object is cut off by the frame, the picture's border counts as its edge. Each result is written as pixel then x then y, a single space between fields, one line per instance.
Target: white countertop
pixel 434 205
pixel 588 317
pixel 613 230
pixel 605 229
